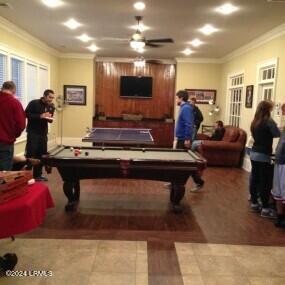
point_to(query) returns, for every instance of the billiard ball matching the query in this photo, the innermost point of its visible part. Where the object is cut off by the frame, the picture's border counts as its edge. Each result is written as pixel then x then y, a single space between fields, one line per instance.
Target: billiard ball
pixel 71 149
pixel 86 153
pixel 103 148
pixel 143 149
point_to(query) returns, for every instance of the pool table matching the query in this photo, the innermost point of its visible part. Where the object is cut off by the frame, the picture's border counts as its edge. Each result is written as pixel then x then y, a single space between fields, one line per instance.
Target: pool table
pixel 174 166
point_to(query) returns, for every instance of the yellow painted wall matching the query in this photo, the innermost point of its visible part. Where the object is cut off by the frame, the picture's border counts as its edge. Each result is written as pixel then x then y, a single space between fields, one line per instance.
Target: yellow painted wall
pixel 248 63
pixel 77 118
pixel 19 45
pixel 200 76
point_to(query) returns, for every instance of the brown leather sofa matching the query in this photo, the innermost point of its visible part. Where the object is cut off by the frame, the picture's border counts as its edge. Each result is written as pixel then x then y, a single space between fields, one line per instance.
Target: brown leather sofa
pixel 227 152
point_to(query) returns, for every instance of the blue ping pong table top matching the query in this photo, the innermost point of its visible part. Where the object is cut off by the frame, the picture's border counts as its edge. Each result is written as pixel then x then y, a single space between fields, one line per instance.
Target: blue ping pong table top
pixel 119 135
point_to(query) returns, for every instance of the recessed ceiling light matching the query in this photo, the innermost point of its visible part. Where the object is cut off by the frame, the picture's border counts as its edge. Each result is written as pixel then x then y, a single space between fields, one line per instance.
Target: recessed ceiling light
pixel 227 9
pixel 187 51
pixel 93 48
pixel 53 3
pixel 208 29
pixel 196 43
pixel 139 6
pixel 84 38
pixel 72 24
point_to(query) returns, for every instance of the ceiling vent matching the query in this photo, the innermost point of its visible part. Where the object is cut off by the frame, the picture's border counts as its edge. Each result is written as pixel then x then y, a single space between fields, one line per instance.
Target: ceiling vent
pixel 5 5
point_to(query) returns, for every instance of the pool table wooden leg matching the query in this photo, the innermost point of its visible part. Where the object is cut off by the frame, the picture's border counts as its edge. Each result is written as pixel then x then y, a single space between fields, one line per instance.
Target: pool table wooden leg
pixel 71 190
pixel 77 190
pixel 176 195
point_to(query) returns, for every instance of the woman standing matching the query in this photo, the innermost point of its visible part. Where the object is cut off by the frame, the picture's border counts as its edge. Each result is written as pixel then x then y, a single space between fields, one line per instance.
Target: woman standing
pixel 278 191
pixel 263 130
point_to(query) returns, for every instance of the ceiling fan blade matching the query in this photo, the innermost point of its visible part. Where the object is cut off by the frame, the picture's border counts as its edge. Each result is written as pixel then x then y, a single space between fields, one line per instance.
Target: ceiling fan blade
pixel 152 45
pixel 166 40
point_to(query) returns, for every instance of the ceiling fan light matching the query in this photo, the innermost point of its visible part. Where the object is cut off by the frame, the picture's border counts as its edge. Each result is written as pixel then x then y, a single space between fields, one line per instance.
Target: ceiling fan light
pixel 137 45
pixel 139 62
pixel 140 50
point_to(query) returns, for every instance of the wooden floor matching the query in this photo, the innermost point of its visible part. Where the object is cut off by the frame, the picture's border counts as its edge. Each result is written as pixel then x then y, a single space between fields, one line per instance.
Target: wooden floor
pixel 139 210
pixel 130 210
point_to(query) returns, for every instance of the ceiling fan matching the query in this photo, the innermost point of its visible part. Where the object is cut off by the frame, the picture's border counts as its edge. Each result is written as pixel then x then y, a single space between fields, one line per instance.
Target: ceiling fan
pixel 138 41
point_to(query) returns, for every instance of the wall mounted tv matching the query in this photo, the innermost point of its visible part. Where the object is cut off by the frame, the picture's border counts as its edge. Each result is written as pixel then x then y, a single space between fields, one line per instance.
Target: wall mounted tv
pixel 136 87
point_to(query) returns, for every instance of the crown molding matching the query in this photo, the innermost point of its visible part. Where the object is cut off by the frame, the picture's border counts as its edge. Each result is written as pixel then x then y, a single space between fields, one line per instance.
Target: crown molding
pixel 77 55
pixel 131 60
pixel 11 28
pixel 198 60
pixel 265 38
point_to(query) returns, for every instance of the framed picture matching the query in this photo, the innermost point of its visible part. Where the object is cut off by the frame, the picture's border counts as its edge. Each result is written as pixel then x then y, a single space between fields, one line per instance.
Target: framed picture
pixel 203 96
pixel 74 94
pixel 249 96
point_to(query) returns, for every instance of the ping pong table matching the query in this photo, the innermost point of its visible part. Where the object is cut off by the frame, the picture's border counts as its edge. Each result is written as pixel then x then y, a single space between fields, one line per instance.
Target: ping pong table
pixel 119 136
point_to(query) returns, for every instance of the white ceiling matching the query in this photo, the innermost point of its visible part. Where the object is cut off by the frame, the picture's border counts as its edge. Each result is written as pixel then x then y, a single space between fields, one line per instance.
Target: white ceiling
pixel 178 19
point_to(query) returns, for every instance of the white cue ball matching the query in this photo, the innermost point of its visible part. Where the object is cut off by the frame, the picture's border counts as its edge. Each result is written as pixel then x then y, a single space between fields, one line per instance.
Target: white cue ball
pixel 71 149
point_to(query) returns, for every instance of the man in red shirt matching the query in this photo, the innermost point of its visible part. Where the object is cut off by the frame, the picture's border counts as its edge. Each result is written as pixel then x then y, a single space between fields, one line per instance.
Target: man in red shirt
pixel 12 123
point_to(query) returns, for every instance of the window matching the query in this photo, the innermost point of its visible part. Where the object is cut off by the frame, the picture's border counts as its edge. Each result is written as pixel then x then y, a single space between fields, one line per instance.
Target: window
pixel 266 80
pixel 30 77
pixel 17 75
pixel 43 80
pixel 3 69
pixel 235 99
pixel 32 82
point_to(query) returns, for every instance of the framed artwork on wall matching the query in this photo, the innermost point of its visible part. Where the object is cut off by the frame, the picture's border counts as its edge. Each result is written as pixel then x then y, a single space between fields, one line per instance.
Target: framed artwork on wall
pixel 249 96
pixel 203 96
pixel 74 95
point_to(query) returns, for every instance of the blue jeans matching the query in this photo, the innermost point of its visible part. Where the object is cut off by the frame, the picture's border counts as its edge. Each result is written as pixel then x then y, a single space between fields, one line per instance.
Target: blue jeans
pixel 6 156
pixel 195 145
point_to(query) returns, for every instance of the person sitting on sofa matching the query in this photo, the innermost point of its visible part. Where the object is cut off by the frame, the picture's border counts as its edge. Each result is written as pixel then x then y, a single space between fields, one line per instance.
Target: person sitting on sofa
pixel 217 135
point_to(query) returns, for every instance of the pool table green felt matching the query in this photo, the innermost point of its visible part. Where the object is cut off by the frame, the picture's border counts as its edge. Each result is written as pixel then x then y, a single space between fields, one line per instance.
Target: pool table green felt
pixel 129 154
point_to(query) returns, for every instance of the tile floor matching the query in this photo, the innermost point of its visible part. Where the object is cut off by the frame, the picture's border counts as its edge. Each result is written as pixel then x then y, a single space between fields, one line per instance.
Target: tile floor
pixel 212 264
pixel 82 262
pixel 94 262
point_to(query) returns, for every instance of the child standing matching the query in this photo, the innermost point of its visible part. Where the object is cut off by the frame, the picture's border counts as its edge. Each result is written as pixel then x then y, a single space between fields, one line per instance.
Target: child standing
pixel 278 190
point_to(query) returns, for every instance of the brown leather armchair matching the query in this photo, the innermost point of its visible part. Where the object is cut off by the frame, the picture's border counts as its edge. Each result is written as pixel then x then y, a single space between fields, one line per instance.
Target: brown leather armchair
pixel 227 152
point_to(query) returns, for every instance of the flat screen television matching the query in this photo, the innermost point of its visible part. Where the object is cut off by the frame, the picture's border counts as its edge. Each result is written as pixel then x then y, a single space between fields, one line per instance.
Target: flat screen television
pixel 136 87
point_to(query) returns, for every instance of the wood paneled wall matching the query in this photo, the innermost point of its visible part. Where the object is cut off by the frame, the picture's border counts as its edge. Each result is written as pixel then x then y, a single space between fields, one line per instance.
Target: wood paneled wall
pixel 108 98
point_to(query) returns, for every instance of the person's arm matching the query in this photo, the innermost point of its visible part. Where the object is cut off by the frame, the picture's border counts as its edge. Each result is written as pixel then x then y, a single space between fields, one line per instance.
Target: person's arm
pixel 19 118
pixel 274 129
pixel 201 118
pixel 31 112
pixel 188 120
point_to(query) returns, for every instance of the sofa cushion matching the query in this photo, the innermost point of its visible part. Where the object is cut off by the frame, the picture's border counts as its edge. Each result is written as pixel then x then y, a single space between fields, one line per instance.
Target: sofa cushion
pixel 231 135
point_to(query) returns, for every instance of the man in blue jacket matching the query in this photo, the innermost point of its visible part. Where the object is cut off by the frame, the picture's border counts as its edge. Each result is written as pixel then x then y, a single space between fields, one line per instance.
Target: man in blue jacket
pixel 185 128
pixel 185 121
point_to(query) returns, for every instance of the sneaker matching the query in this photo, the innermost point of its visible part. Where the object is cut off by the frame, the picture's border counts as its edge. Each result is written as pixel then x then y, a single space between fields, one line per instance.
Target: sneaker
pixel 255 208
pixel 268 213
pixel 41 179
pixel 197 187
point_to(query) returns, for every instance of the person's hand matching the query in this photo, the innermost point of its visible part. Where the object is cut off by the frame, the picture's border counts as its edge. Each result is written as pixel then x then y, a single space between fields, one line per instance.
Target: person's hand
pixel 45 115
pixel 187 143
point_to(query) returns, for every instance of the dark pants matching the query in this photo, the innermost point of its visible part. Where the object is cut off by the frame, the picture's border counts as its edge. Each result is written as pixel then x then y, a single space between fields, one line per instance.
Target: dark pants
pixel 196 177
pixel 36 147
pixel 6 156
pixel 261 182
